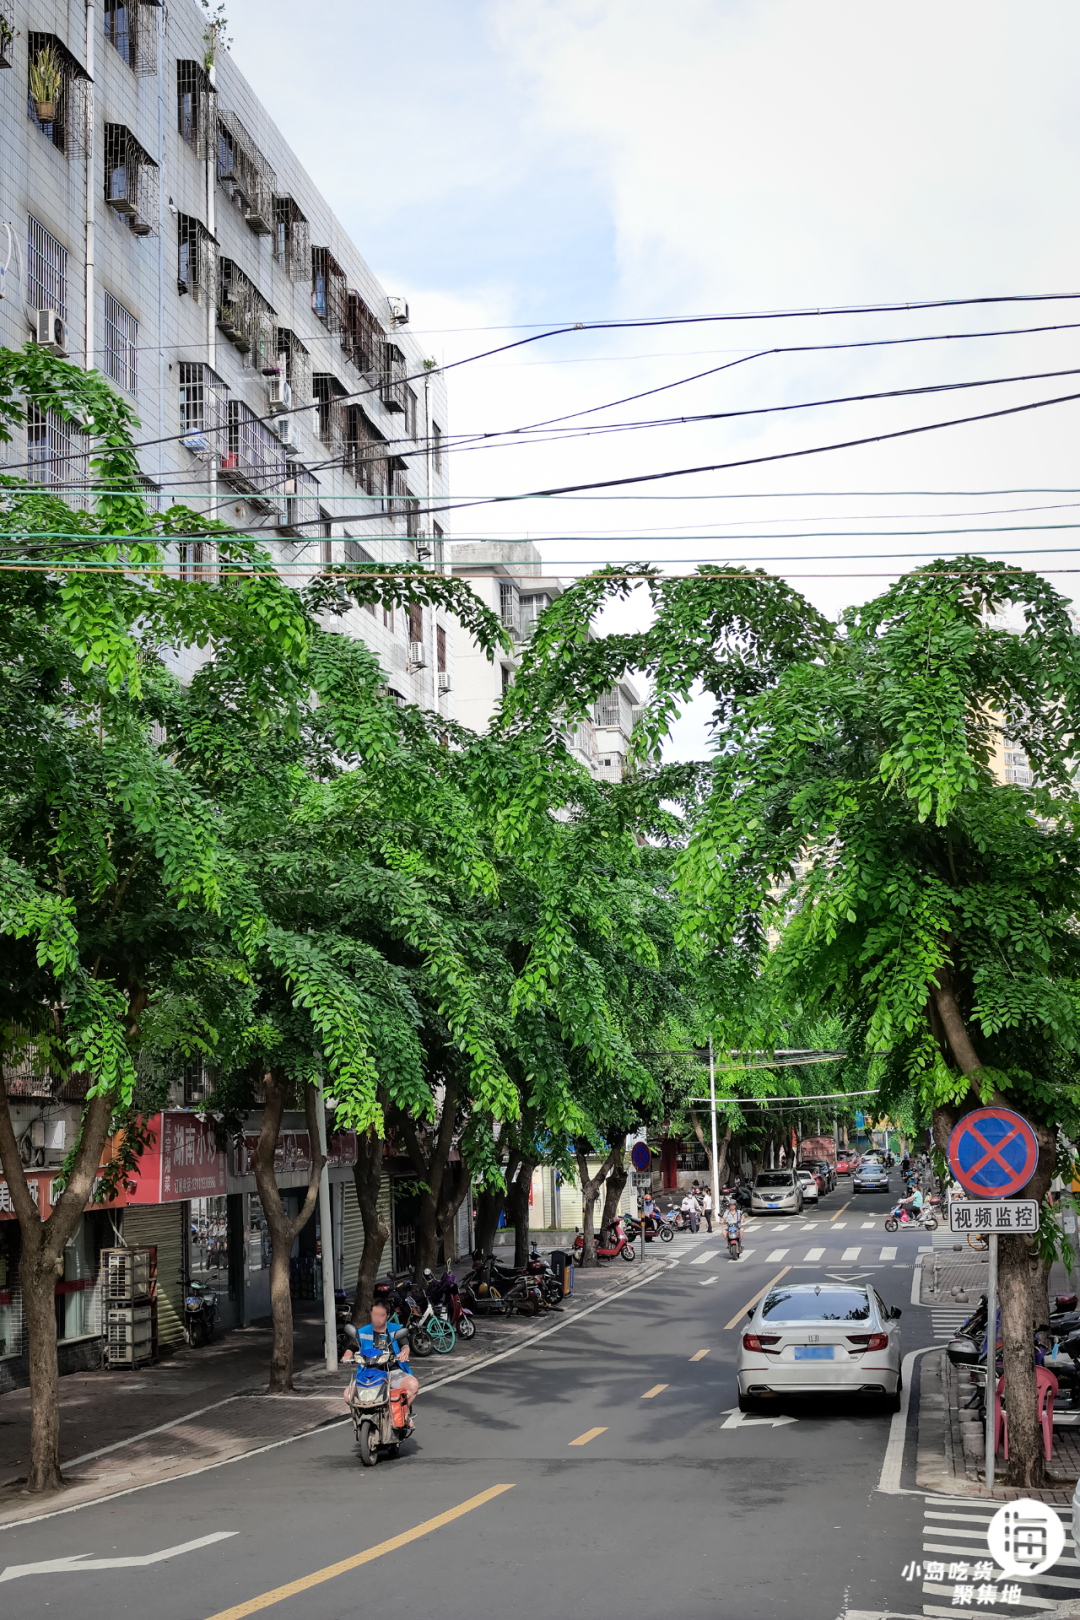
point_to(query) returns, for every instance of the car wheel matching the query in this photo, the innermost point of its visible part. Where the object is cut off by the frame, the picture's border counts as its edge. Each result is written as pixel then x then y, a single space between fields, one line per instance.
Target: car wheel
pixel 893 1402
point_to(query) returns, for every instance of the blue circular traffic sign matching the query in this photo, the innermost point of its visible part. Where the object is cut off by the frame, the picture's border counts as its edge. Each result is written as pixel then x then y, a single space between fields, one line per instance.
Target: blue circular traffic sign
pixel 993 1153
pixel 640 1157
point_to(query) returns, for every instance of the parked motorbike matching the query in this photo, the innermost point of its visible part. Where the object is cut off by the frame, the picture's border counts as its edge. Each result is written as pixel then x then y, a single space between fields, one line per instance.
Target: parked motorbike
pixel 898 1216
pixel 607 1247
pixel 380 1414
pixel 492 1290
pixel 445 1295
pixel 550 1285
pixel 200 1311
pixel 664 1230
pixel 409 1307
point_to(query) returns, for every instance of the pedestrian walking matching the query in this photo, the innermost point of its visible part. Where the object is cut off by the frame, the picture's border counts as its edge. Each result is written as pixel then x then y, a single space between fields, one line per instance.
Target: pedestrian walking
pixel 706 1209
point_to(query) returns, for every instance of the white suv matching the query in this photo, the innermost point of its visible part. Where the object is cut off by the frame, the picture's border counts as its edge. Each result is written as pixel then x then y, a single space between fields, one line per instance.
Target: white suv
pixel 776 1192
pixel 809 1183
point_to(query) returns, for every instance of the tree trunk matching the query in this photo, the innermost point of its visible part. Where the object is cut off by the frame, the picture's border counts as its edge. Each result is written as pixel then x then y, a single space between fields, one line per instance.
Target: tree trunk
pixel 42 1264
pixel 517 1209
pixel 283 1230
pixel 490 1203
pixel 614 1187
pixel 1026 1466
pixel 590 1187
pixel 367 1178
pixel 440 1200
pixel 699 1132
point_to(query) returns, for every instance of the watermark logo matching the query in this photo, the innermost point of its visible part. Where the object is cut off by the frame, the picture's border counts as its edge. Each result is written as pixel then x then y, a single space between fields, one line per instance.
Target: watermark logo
pixel 1026 1537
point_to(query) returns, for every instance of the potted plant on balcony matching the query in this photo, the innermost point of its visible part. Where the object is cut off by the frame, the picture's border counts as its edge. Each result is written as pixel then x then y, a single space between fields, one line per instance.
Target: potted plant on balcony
pixel 46 83
pixel 7 34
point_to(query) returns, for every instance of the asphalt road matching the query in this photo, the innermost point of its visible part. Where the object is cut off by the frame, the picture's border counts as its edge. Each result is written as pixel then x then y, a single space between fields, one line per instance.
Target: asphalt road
pixel 670 1502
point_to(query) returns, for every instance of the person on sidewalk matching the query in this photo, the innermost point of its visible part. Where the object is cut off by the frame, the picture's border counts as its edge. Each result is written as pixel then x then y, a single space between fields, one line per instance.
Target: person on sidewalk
pixel 690 1211
pixel 649 1213
pixel 706 1209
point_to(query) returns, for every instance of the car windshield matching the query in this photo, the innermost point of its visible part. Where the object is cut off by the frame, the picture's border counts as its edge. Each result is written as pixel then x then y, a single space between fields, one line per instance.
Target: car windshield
pixel 774 1178
pixel 821 1305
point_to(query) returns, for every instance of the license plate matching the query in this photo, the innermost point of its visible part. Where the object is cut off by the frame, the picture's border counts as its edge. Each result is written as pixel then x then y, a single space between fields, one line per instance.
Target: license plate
pixel 813 1352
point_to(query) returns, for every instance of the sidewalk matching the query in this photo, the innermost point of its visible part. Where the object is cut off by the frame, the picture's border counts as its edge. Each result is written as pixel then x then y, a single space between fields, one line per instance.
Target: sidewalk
pixel 951 1445
pixel 199 1408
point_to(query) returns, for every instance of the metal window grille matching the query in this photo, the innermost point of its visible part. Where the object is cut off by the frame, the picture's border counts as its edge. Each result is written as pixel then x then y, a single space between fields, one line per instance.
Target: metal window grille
pixel 392 381
pixel 53 458
pixel 121 345
pixel 436 446
pixel 46 270
pixel 245 174
pixel 438 544
pixel 131 180
pixel 292 239
pixel 198 560
pixel 301 497
pixel 440 649
pixel 194 257
pixel 66 123
pixel 332 418
pixel 195 106
pixel 410 413
pixel 365 453
pixel 204 410
pixel 508 608
pixel 245 316
pixel 254 461
pixel 362 334
pixel 297 363
pixel 329 294
pixel 416 622
pixel 121 28
pixel 7 37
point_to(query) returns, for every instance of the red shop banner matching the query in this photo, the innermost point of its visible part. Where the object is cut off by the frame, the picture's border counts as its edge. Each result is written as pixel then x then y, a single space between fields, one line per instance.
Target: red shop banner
pixel 293 1152
pixel 45 1192
pixel 182 1161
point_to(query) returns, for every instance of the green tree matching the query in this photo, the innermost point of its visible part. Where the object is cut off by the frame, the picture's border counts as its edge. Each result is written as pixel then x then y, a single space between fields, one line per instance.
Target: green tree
pixel 852 811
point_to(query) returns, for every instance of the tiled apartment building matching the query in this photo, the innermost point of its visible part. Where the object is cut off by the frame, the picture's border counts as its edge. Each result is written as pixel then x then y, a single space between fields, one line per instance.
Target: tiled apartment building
pixel 148 202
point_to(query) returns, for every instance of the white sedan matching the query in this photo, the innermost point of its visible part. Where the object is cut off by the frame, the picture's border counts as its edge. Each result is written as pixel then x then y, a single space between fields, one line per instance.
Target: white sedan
pixel 820 1339
pixel 810 1190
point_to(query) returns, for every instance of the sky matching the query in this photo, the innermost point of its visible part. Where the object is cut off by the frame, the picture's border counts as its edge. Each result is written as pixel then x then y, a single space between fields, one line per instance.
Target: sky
pixel 510 166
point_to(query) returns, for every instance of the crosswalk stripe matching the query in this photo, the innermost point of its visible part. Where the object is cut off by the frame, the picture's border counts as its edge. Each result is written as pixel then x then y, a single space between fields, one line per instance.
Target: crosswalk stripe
pixel 777 1254
pixel 837 1225
pixel 868 1225
pixel 700 1259
pixel 814 1254
pixel 851 1254
pixel 887 1254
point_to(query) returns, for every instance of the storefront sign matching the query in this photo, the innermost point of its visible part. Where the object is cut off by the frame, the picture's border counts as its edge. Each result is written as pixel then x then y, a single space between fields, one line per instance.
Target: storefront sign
pixel 182 1161
pixel 293 1152
pixel 44 1188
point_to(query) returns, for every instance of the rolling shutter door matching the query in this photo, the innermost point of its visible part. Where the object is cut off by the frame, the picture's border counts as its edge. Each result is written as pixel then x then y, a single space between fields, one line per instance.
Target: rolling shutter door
pixel 163 1225
pixel 352 1233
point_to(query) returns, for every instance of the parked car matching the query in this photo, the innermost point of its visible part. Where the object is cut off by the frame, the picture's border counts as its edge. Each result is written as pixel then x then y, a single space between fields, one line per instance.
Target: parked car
pixel 820 1339
pixel 844 1165
pixel 776 1192
pixel 870 1177
pixel 824 1171
pixel 810 1183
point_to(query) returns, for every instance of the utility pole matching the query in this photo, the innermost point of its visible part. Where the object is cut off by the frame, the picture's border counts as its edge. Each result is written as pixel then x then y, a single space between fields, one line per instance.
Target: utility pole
pixel 989 1404
pixel 712 1122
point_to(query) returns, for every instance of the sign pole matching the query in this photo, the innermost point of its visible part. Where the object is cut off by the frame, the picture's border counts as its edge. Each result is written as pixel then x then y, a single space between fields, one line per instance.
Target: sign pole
pixel 326 1227
pixel 712 1118
pixel 991 1357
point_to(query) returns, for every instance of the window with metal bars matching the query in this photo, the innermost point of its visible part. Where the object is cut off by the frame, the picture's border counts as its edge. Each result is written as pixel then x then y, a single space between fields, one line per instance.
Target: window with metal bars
pixel 297 368
pixel 121 344
pixel 362 334
pixel 46 270
pixel 438 547
pixel 121 28
pixel 365 452
pixel 410 412
pixel 329 297
pixel 255 459
pixel 52 457
pixel 244 314
pixel 245 174
pixel 436 446
pixel 440 649
pixel 416 623
pixel 508 608
pixel 292 238
pixel 327 392
pixel 57 94
pixel 130 179
pixel 301 498
pixel 194 257
pixel 392 382
pixel 204 402
pixel 193 105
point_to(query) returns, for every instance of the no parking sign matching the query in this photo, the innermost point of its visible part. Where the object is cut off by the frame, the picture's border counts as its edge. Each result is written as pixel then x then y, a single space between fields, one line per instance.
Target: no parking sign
pixel 993 1153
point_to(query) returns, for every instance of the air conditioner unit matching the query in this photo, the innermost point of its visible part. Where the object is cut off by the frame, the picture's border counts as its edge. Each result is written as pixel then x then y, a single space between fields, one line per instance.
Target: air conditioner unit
pixel 417 661
pixel 199 445
pixel 444 683
pixel 51 332
pixel 399 311
pixel 285 428
pixel 49 1133
pixel 278 395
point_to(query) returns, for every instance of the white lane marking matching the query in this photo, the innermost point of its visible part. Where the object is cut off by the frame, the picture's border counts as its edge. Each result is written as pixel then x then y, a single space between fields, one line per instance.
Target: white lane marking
pixel 887 1254
pixel 703 1258
pixel 892 1465
pixel 76 1563
pixel 706 1280
pixel 746 1420
pixel 851 1254
pixel 808 1226
pixel 838 1225
pixel 777 1254
pixel 869 1225
pixel 814 1254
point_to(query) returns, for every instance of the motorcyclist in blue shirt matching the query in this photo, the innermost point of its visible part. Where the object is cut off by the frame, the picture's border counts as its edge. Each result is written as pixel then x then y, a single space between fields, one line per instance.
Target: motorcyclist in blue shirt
pixel 377 1340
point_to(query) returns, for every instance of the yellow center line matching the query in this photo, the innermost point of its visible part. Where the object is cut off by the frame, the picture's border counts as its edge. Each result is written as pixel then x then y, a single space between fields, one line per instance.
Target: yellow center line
pixel 841 1210
pixel 699 1355
pixel 316 1578
pixel 737 1318
pixel 656 1390
pixel 582 1440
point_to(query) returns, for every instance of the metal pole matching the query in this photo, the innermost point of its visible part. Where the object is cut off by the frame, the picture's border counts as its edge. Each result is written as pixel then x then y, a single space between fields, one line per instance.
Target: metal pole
pixel 327 1246
pixel 712 1120
pixel 991 1356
